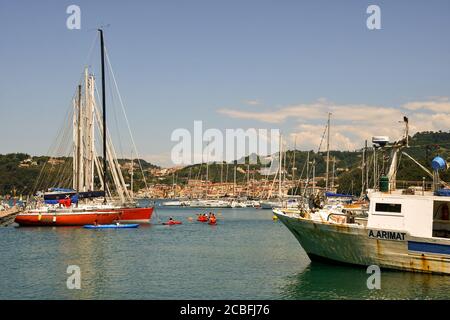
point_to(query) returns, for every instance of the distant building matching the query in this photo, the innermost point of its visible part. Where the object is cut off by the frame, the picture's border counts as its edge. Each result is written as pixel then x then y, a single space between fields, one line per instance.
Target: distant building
pixel 54 161
pixel 27 163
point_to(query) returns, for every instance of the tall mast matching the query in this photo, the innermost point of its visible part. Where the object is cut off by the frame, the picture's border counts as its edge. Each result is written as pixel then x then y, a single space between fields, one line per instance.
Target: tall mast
pixel 234 184
pixel 332 173
pixel 293 161
pixel 367 167
pixel 363 170
pixel 374 168
pixel 78 184
pixel 132 173
pixel 102 49
pixel 280 166
pixel 328 152
pixel 248 176
pixel 307 172
pixel 314 176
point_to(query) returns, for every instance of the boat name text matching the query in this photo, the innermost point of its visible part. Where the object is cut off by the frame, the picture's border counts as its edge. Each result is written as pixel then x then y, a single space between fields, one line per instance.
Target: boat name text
pixel 387 235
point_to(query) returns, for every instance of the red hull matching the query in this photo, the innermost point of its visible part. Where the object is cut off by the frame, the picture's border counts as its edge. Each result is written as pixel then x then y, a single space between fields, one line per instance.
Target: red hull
pixel 104 216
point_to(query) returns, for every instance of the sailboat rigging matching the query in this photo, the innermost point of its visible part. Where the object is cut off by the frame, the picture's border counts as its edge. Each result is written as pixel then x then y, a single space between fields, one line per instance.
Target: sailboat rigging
pixel 78 206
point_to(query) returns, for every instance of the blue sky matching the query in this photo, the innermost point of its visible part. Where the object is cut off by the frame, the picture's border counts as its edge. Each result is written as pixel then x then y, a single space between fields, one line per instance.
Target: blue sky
pixel 232 64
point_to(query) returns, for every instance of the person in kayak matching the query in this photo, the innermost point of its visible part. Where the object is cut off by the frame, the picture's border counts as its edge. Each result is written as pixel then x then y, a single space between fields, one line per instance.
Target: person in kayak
pixel 170 218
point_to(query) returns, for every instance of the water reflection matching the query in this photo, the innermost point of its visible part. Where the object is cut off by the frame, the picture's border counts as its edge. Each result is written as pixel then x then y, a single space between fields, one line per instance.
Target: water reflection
pixel 246 256
pixel 327 281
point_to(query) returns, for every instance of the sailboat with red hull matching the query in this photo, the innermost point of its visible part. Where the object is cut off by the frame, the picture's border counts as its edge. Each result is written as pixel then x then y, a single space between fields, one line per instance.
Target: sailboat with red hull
pixel 80 205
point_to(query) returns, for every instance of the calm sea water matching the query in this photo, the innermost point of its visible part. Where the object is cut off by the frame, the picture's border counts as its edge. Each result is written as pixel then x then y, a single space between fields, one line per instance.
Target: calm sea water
pixel 246 256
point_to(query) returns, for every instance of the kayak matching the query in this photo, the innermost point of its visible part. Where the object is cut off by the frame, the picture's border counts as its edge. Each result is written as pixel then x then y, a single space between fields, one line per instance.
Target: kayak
pixel 169 223
pixel 212 222
pixel 202 219
pixel 110 226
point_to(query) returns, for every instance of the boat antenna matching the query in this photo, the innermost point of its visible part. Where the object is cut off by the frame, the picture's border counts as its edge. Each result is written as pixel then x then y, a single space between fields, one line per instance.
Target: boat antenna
pixel 102 50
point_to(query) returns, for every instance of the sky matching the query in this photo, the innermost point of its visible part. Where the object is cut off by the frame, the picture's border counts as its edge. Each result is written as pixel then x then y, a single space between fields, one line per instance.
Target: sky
pixel 231 64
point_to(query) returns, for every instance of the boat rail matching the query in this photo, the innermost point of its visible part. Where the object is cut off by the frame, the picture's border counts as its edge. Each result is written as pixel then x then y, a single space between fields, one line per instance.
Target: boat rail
pixel 350 215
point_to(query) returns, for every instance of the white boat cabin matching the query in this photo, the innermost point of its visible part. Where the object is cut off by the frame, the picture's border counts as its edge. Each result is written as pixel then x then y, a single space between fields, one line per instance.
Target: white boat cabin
pixel 421 215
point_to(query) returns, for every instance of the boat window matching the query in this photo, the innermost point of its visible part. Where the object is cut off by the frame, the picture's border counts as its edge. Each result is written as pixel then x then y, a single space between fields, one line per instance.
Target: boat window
pixel 388 207
pixel 441 219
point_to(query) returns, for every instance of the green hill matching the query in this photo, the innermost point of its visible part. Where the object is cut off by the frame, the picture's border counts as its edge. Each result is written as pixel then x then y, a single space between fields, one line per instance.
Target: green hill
pixel 20 171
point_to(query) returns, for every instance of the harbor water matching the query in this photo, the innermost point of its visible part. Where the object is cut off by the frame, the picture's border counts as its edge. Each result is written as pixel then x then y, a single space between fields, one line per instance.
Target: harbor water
pixel 246 255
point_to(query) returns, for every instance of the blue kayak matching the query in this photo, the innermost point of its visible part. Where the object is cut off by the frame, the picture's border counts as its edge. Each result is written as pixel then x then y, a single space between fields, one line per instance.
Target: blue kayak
pixel 110 226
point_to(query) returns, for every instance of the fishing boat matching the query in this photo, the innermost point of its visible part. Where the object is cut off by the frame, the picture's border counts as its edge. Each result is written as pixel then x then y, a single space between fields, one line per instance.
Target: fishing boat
pixel 405 229
pixel 81 205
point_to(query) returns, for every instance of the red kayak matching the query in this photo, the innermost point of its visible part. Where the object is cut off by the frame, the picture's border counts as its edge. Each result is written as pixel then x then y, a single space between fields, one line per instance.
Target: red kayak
pixel 171 222
pixel 212 222
pixel 202 219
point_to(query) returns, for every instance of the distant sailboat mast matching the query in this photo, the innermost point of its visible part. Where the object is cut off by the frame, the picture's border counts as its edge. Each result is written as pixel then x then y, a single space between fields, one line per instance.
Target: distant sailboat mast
pixel 293 160
pixel 78 154
pixel 132 174
pixel 328 153
pixel 280 167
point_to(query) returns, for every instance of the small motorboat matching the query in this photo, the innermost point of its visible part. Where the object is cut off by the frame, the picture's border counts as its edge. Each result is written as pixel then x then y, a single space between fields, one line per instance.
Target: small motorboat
pixel 172 222
pixel 111 226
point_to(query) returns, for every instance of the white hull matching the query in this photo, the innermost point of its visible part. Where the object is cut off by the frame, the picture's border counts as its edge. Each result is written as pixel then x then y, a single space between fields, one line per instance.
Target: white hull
pixel 210 204
pixel 280 204
pixel 356 244
pixel 173 204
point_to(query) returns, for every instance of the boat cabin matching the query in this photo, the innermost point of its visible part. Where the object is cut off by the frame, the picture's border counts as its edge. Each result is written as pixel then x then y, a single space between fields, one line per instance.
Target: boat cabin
pixel 421 215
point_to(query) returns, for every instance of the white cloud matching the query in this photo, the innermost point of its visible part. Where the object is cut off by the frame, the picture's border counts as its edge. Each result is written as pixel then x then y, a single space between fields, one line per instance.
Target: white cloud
pixel 438 105
pixel 351 124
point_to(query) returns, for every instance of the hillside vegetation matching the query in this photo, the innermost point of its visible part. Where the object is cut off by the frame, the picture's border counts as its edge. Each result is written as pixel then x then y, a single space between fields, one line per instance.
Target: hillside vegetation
pixel 20 171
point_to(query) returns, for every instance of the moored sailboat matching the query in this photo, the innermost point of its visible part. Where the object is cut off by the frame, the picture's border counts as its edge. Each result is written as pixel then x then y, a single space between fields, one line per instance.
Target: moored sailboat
pixel 82 205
